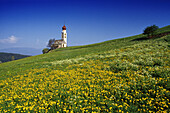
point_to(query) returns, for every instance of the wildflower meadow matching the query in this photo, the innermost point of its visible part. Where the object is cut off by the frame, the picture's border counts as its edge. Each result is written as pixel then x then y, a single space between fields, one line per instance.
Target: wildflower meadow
pixel 132 78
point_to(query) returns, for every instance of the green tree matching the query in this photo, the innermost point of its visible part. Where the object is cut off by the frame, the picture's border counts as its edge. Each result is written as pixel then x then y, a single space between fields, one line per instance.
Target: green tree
pixel 45 50
pixel 51 42
pixel 150 30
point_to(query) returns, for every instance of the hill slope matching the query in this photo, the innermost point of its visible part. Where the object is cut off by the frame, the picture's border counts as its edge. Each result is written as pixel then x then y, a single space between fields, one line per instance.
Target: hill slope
pixel 113 76
pixel 5 57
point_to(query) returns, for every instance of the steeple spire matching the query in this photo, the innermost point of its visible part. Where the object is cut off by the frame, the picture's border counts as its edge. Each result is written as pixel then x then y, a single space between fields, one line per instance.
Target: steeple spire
pixel 64 36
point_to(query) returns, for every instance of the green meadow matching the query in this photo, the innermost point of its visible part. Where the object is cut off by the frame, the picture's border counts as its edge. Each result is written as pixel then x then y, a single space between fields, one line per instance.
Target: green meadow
pixel 124 75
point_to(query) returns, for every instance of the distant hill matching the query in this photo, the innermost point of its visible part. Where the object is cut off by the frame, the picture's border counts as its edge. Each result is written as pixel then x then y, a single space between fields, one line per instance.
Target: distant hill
pixel 5 57
pixel 24 51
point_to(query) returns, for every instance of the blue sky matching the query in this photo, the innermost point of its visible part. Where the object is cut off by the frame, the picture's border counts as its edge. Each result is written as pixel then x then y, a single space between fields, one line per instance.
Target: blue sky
pixel 31 23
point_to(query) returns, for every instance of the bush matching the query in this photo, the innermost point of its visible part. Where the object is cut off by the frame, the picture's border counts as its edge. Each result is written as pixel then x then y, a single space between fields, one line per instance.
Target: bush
pixel 45 50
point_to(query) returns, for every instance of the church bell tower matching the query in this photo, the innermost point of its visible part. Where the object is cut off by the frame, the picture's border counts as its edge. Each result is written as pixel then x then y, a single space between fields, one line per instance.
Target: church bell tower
pixel 64 36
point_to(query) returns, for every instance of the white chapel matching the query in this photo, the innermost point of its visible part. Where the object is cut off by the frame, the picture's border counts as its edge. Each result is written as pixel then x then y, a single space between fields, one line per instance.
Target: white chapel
pixel 63 42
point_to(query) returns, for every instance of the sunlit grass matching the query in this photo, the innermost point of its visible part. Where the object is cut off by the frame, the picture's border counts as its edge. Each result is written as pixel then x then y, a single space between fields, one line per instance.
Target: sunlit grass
pixel 116 76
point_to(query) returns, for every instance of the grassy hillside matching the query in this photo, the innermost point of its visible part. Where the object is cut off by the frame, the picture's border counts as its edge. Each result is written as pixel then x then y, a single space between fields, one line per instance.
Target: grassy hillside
pixel 164 29
pixel 119 75
pixel 5 57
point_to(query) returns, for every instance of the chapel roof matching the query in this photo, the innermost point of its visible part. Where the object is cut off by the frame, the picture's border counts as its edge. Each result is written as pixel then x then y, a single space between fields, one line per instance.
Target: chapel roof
pixel 64 27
